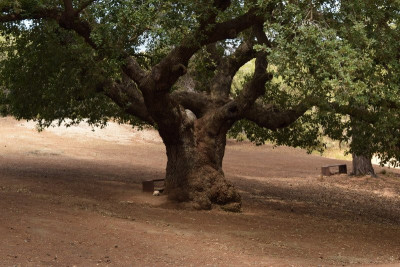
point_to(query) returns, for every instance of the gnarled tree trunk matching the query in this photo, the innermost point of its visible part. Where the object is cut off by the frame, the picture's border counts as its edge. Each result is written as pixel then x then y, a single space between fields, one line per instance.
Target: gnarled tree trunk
pixel 362 165
pixel 194 168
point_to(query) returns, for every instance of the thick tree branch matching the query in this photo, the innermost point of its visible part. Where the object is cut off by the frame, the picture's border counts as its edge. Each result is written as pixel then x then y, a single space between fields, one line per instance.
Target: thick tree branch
pixel 361 114
pixel 69 8
pixel 221 83
pixel 68 19
pixel 35 14
pixel 129 98
pixel 174 65
pixel 231 28
pixel 252 89
pixel 197 102
pixel 133 70
pixel 270 117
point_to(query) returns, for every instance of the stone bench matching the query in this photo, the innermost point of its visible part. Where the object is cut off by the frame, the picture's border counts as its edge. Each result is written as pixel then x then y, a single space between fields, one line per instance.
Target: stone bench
pixel 152 185
pixel 326 170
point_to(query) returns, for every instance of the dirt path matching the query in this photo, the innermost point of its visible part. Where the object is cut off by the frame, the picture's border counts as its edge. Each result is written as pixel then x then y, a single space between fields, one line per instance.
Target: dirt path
pixel 73 197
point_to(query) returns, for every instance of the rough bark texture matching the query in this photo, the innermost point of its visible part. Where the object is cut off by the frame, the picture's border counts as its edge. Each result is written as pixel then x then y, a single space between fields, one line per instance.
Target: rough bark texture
pixel 362 165
pixel 194 169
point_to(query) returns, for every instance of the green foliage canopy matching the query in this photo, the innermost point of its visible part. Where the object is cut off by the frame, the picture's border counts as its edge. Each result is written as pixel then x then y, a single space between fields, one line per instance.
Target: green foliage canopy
pixel 339 57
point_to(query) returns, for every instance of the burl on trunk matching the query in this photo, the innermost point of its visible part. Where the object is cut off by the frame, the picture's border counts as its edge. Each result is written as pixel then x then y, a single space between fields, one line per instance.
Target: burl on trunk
pixel 194 169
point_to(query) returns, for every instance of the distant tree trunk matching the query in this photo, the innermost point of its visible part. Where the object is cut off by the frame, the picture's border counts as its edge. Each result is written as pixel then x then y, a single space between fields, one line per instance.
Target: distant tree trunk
pixel 362 165
pixel 361 141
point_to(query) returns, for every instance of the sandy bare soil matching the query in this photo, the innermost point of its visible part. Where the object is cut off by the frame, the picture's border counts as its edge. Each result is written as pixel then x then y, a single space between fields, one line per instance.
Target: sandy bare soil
pixel 72 197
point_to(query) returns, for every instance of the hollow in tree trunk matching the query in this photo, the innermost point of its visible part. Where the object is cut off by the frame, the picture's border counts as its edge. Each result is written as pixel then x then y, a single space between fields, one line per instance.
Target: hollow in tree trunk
pixel 362 165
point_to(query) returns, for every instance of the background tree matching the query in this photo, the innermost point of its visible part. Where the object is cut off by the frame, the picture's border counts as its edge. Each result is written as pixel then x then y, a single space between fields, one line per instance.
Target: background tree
pixel 372 30
pixel 127 60
pixel 363 109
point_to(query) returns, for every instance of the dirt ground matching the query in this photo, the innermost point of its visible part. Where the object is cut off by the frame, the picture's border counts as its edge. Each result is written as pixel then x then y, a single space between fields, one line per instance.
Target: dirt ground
pixel 72 197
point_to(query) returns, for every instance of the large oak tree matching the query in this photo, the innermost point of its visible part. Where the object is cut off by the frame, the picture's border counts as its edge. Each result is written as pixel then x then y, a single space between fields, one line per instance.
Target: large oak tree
pixel 170 64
